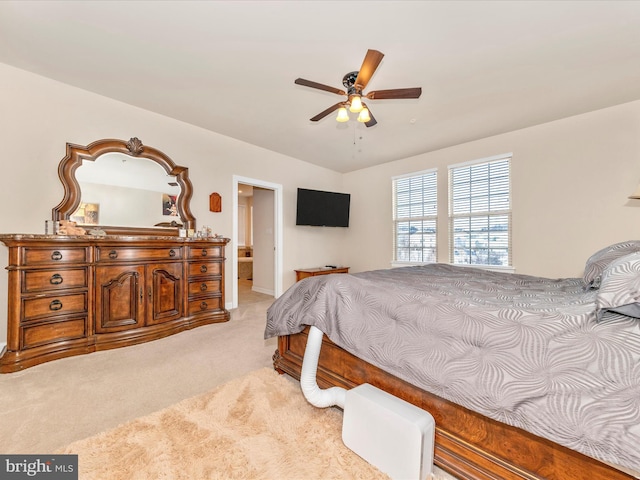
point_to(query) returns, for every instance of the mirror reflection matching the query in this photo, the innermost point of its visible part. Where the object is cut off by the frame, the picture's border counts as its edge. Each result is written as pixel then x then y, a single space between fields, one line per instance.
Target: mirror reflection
pixel 118 189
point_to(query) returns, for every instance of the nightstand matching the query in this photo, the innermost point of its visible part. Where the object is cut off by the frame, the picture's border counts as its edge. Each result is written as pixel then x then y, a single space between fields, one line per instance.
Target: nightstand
pixel 312 272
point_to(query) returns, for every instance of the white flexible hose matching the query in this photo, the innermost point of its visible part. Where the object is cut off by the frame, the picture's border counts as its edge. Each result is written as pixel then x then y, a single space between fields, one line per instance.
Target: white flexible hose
pixel 314 394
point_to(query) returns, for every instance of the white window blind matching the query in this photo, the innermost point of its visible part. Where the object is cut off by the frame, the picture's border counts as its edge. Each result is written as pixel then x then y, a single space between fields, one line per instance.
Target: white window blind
pixel 480 212
pixel 415 208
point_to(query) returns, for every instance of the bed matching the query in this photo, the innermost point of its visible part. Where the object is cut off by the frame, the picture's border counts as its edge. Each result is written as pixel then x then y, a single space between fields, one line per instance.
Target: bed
pixel 526 377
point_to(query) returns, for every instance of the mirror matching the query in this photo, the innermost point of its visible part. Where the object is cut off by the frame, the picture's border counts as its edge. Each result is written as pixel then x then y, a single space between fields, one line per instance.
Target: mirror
pixel 128 191
pixel 124 188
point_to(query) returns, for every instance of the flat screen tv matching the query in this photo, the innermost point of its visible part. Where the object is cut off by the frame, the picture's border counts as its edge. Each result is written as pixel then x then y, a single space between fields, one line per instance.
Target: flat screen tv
pixel 322 209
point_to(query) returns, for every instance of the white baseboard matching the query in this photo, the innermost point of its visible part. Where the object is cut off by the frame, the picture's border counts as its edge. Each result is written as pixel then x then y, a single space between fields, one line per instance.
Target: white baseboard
pixel 263 290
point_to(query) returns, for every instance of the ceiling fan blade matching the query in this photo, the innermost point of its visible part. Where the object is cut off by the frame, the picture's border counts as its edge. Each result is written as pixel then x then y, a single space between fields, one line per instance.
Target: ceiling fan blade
pixel 371 61
pixel 371 122
pixel 319 86
pixel 326 112
pixel 395 93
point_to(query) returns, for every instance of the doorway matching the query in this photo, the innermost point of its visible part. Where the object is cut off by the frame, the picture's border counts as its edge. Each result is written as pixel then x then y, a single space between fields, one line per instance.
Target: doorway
pixel 263 232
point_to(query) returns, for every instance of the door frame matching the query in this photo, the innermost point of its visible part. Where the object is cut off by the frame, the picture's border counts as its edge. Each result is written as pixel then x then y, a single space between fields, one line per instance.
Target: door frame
pixel 277 232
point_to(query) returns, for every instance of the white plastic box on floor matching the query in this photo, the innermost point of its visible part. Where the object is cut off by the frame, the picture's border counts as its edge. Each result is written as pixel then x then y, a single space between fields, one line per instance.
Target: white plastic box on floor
pixel 391 434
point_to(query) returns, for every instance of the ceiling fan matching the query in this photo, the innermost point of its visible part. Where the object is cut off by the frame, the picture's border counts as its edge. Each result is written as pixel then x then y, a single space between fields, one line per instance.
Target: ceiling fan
pixel 355 83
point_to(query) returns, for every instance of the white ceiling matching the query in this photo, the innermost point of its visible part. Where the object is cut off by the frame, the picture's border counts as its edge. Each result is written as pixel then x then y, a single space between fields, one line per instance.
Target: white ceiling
pixel 228 66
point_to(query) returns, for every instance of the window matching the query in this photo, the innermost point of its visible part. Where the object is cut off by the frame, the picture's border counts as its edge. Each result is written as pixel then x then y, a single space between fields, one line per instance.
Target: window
pixel 415 208
pixel 480 212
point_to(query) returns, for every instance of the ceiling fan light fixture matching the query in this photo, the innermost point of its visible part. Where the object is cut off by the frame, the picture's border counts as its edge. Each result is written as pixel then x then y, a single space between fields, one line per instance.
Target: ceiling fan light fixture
pixel 356 104
pixel 364 116
pixel 355 83
pixel 343 116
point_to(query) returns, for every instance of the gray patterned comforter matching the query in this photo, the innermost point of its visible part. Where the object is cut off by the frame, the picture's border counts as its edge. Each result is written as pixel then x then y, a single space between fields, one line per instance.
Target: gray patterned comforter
pixel 526 351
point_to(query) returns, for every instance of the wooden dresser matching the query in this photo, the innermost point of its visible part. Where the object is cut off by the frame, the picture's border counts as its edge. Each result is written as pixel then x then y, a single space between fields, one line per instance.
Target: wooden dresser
pixel 74 295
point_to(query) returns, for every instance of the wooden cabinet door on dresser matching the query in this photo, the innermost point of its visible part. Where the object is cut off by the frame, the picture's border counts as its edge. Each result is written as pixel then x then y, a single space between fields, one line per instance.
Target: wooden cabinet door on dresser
pixel 119 298
pixel 133 291
pixel 73 295
pixel 164 292
pixel 135 296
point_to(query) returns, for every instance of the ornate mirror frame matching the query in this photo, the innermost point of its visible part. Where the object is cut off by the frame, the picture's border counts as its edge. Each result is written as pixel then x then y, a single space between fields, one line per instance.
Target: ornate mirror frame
pixel 134 147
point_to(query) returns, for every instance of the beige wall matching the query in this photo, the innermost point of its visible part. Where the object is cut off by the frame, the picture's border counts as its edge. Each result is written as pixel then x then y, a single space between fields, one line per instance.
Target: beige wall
pixel 570 183
pixel 39 116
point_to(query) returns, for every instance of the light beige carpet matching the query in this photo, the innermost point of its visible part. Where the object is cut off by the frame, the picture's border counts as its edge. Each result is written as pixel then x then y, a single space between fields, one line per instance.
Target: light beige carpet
pixel 255 427
pixel 258 426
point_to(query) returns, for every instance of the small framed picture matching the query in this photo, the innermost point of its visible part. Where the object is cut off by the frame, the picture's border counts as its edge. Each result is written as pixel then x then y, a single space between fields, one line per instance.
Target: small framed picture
pixel 86 214
pixel 169 205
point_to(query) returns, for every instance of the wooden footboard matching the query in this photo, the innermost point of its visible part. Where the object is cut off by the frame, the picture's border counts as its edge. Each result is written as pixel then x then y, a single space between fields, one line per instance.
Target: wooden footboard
pixel 468 445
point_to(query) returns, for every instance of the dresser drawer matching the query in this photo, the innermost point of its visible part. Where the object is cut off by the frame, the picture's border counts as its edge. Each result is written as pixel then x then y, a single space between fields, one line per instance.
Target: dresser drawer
pixel 205 305
pixel 54 256
pixel 204 287
pixel 128 254
pixel 51 280
pixel 37 335
pixel 205 268
pixel 205 252
pixel 50 305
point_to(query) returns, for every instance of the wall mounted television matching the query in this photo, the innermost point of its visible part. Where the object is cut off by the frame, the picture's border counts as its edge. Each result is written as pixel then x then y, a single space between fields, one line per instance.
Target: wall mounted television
pixel 322 209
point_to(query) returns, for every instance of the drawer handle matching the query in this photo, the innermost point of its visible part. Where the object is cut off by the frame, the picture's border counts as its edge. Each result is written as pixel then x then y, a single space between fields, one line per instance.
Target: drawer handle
pixel 203 286
pixel 172 253
pixel 56 255
pixel 55 305
pixel 203 268
pixel 203 305
pixel 113 254
pixel 204 252
pixel 56 279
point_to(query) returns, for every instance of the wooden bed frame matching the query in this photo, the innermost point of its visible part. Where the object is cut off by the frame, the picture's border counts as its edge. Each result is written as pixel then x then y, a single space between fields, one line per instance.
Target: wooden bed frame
pixel 468 445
